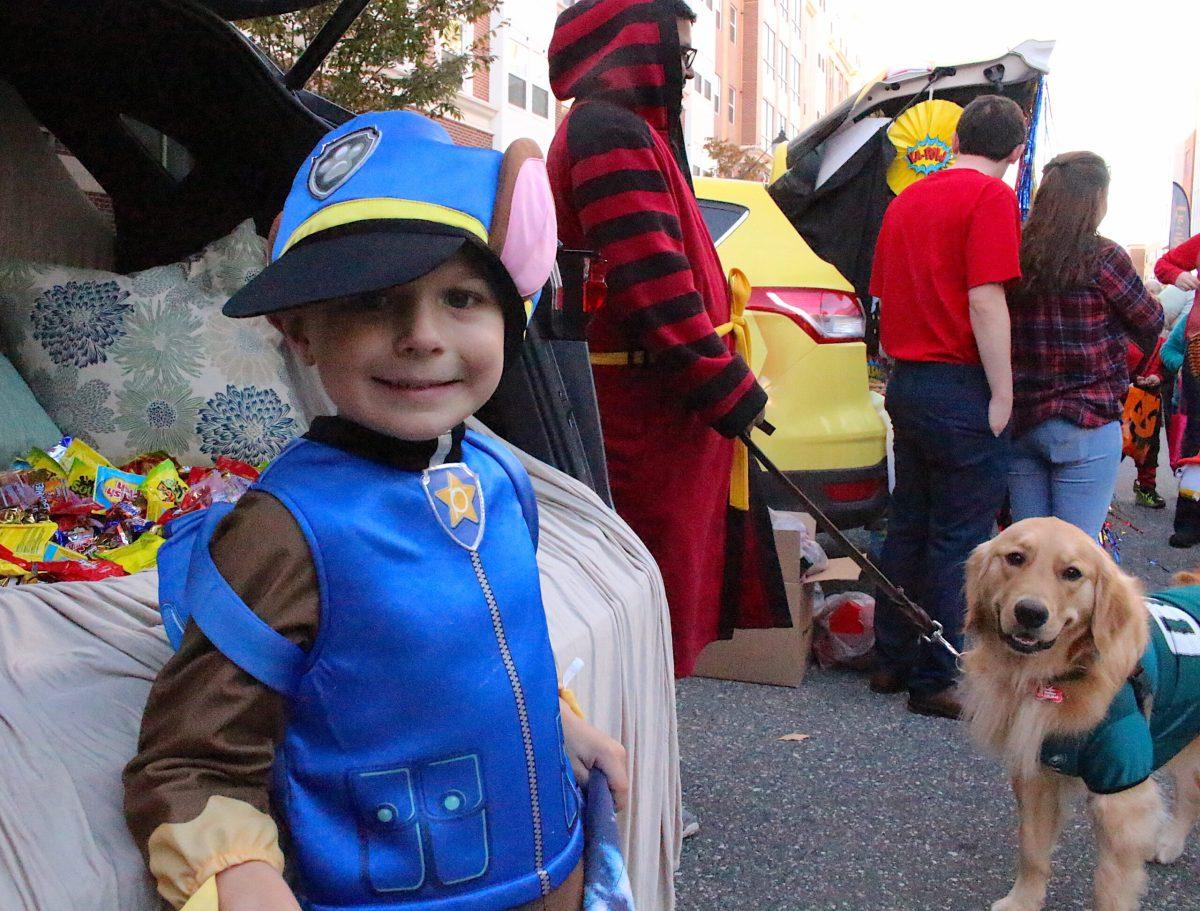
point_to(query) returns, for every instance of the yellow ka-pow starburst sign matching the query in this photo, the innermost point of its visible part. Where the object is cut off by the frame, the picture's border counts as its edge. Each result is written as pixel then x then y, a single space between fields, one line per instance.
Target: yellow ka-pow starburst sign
pixel 922 136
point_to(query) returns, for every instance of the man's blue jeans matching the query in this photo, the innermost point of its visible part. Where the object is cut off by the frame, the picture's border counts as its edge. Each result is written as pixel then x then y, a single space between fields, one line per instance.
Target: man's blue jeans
pixel 951 476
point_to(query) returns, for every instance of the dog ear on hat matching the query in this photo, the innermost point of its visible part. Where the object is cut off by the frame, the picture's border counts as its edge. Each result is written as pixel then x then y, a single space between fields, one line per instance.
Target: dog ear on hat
pixel 524 229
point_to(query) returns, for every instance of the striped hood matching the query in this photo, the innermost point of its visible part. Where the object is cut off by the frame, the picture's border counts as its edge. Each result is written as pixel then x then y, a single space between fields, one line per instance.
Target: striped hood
pixel 624 52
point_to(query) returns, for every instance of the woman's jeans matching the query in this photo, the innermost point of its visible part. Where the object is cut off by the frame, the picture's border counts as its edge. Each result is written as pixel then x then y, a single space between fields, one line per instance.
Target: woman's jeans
pixel 1061 469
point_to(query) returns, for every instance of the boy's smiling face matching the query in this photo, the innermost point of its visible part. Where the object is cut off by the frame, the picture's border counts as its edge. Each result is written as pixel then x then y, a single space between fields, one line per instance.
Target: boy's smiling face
pixel 411 361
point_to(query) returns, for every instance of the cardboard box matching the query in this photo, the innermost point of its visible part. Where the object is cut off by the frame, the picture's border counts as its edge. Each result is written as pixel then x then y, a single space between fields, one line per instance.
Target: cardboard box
pixel 790 529
pixel 776 657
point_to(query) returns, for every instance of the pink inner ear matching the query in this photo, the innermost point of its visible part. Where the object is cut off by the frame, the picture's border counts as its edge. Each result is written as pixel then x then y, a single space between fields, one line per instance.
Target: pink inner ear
pixel 530 242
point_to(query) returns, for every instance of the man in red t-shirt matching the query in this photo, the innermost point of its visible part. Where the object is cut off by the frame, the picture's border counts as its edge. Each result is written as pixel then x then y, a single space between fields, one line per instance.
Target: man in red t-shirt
pixel 948 245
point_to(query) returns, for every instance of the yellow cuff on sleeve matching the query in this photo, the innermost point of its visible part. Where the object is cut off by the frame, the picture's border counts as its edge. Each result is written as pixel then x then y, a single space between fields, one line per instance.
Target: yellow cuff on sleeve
pixel 205 898
pixel 227 833
pixel 572 702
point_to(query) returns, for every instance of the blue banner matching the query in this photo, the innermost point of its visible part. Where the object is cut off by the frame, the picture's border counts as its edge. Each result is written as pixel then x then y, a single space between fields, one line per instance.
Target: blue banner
pixel 1181 217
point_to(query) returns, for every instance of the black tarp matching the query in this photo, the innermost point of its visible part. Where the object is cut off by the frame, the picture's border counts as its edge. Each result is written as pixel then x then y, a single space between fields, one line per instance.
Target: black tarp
pixel 83 68
pixel 840 219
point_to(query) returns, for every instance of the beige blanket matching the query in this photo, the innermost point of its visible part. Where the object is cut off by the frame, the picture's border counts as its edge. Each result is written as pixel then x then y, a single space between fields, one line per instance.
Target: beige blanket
pixel 76 662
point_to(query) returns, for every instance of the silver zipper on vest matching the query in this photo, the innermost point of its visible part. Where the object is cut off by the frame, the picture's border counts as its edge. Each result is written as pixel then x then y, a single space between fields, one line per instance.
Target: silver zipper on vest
pixel 523 714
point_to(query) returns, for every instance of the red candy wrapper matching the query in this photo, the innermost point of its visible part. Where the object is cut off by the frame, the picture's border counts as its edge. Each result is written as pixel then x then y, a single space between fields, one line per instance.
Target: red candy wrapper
pixel 143 463
pixel 227 465
pixel 65 570
pixel 78 570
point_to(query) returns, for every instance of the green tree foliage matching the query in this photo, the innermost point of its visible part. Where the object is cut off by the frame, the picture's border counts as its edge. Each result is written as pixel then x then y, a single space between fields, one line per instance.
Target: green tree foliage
pixel 740 162
pixel 397 54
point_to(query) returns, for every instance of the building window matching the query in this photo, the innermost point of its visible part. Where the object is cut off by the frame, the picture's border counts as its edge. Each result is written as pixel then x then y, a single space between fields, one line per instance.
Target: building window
pixel 516 90
pixel 768 124
pixel 707 89
pixel 541 101
pixel 732 25
pixel 717 96
pixel 731 104
pixel 769 52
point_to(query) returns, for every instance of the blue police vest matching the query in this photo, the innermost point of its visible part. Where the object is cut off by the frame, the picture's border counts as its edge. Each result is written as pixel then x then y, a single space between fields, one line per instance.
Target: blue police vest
pixel 422 766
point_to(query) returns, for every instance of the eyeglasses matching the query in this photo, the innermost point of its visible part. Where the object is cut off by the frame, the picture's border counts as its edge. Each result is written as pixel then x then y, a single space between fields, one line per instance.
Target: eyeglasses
pixel 688 56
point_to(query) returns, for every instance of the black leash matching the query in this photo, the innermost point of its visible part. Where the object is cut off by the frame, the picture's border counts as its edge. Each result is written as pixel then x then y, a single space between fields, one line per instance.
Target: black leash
pixel 930 629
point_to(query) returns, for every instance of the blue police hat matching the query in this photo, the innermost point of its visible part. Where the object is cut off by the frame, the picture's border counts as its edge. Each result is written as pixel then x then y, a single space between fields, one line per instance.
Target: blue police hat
pixel 388 197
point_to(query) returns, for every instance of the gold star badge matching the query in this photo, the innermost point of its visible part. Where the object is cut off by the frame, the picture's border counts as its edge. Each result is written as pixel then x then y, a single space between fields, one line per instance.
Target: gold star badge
pixel 459 499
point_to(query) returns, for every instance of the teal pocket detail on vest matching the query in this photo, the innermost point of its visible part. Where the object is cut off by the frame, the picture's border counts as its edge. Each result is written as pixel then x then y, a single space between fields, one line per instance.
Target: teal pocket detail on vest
pixel 452 794
pixel 390 829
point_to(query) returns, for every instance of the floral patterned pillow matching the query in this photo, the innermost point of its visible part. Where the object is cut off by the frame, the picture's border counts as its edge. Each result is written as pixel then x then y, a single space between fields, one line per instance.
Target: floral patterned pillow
pixel 134 363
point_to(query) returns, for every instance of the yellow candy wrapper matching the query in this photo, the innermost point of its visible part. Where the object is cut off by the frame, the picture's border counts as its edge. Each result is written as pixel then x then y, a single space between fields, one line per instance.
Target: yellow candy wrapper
pixel 25 541
pixel 84 460
pixel 81 450
pixel 139 555
pixel 163 489
pixel 39 458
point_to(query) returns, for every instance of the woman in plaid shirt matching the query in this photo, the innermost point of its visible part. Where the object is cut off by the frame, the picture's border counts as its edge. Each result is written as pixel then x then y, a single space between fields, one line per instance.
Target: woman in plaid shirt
pixel 1078 305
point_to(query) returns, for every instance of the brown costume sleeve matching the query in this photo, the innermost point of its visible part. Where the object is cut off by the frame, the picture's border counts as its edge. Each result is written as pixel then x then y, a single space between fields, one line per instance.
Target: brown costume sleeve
pixel 209 728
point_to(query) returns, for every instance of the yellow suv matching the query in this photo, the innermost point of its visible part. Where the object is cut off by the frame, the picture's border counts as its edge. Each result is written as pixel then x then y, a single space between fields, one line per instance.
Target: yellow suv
pixel 807 329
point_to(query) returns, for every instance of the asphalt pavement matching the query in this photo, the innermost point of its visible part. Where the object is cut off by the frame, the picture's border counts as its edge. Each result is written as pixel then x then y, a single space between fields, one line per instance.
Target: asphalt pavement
pixel 878 809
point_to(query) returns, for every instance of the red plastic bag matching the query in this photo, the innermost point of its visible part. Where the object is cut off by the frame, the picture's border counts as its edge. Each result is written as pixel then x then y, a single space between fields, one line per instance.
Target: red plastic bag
pixel 844 629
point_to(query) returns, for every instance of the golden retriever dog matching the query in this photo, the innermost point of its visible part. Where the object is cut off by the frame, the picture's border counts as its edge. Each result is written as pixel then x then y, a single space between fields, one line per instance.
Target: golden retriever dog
pixel 1057 629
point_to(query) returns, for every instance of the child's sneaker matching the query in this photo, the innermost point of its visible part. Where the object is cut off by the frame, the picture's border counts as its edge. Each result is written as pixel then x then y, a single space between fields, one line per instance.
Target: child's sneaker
pixel 1148 497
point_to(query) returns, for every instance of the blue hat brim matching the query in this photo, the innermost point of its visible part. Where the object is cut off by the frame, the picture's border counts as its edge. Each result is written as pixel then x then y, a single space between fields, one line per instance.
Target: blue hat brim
pixel 339 265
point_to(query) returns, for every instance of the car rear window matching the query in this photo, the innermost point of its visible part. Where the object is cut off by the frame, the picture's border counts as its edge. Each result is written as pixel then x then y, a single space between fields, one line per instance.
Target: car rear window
pixel 721 217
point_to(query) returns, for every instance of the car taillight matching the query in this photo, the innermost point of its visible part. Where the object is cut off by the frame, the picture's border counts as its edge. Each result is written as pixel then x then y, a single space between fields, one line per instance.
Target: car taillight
pixel 853 491
pixel 828 316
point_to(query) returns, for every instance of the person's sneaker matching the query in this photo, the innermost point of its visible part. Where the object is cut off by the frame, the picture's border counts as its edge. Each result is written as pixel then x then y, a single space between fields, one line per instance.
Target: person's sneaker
pixel 691 824
pixel 941 704
pixel 885 681
pixel 1182 541
pixel 1148 497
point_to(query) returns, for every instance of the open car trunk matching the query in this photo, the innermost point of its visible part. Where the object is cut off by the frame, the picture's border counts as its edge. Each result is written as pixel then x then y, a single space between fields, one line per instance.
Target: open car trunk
pixel 835 187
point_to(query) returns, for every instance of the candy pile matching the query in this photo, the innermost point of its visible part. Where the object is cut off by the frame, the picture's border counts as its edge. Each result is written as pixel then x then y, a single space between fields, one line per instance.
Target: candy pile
pixel 67 514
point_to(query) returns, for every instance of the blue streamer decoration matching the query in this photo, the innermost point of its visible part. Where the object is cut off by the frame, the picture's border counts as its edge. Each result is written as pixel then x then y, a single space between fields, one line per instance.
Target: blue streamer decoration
pixel 1025 170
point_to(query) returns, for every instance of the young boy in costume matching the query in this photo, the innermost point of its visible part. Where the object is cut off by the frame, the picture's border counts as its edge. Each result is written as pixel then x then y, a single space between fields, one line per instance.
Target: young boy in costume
pixel 363 653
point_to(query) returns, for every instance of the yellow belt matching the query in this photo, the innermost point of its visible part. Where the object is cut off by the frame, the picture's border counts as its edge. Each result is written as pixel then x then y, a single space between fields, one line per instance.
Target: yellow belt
pixel 739 294
pixel 619 358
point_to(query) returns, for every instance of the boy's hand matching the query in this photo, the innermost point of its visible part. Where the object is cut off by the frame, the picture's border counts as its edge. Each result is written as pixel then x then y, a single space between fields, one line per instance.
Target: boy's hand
pixel 254 886
pixel 589 747
pixel 1187 282
pixel 1150 381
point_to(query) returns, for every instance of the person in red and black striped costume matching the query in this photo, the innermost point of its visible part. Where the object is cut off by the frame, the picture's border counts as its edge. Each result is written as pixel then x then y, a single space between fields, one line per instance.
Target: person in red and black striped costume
pixel 673 393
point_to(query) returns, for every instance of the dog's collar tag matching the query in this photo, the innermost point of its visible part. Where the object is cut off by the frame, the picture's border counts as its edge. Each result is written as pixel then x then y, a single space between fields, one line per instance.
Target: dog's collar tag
pixel 1044 692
